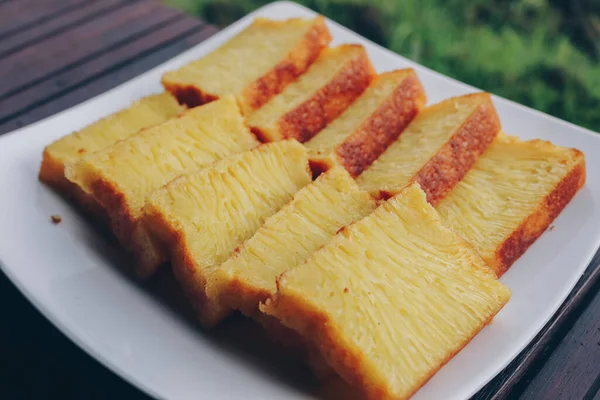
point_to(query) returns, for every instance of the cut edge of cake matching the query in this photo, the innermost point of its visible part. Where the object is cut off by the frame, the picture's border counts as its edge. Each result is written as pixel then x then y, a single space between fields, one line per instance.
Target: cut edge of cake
pixel 297 312
pixel 54 161
pixel 191 275
pixel 546 210
pixel 371 137
pixel 274 80
pixel 455 158
pixel 237 289
pixel 321 105
pixel 126 225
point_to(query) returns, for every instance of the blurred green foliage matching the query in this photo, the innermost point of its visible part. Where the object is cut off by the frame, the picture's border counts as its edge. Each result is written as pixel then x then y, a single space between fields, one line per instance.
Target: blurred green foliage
pixel 542 53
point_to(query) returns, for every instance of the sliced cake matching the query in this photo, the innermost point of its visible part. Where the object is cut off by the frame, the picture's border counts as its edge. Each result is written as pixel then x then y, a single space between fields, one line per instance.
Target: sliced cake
pixel 436 149
pixel 254 65
pixel 357 137
pixel 391 298
pixel 324 91
pixel 511 195
pixel 204 216
pixel 287 238
pixel 122 175
pixel 148 111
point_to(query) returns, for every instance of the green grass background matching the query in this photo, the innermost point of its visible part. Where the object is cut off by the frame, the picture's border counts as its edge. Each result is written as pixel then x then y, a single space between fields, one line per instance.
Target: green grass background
pixel 541 53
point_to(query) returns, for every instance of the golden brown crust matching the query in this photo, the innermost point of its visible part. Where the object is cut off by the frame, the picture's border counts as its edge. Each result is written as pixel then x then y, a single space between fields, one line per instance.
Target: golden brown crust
pixel 52 173
pixel 306 120
pixel 245 298
pixel 284 73
pixel 370 140
pixel 537 222
pixel 146 251
pixel 114 202
pixel 320 165
pixel 295 313
pixel 278 332
pixel 299 345
pixel 209 312
pixel 273 82
pixel 458 155
pixel 90 206
pixel 237 295
pixel 189 95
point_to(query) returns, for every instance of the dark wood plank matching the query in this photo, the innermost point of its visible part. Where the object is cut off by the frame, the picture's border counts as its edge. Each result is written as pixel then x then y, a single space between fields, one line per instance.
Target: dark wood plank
pixel 594 396
pixel 574 366
pixel 18 15
pixel 112 78
pixel 37 360
pixel 28 66
pixel 515 377
pixel 51 27
pixel 65 81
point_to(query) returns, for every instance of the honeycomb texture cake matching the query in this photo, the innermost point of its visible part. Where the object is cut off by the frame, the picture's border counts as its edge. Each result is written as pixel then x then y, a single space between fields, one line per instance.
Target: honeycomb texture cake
pixel 437 148
pixel 313 217
pixel 254 65
pixel 204 216
pixel 391 298
pixel 323 92
pixel 357 137
pixel 512 194
pixel 148 111
pixel 122 175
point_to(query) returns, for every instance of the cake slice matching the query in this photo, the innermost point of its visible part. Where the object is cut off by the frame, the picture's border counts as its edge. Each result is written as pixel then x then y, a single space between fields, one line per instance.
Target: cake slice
pixel 287 238
pixel 148 111
pixel 511 195
pixel 303 108
pixel 254 65
pixel 357 137
pixel 436 150
pixel 204 216
pixel 391 298
pixel 122 175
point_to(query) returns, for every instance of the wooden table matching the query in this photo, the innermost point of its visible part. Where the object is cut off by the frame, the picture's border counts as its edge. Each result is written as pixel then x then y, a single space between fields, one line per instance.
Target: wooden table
pixel 55 54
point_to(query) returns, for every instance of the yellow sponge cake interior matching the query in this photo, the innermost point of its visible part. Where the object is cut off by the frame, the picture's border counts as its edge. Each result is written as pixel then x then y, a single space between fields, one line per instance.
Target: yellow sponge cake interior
pixel 143 113
pixel 436 150
pixel 317 97
pixel 288 181
pixel 313 217
pixel 253 65
pixel 357 137
pixel 148 111
pixel 122 175
pixel 391 298
pixel 204 216
pixel 511 195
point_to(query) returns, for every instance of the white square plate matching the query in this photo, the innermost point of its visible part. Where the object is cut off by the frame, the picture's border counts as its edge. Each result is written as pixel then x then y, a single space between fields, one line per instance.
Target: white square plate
pixel 73 276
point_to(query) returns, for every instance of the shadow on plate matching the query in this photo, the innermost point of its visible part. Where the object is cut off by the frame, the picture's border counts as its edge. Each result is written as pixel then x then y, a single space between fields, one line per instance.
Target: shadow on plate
pixel 239 336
